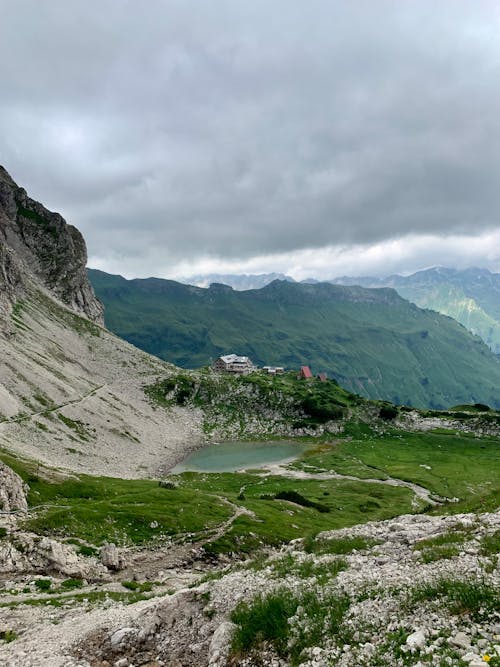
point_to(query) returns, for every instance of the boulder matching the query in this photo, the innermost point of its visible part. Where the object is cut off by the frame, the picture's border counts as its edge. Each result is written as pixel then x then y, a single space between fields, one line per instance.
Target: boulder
pixel 13 491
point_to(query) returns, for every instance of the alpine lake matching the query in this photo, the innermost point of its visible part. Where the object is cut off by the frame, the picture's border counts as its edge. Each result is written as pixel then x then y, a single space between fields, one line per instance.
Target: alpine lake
pixel 238 455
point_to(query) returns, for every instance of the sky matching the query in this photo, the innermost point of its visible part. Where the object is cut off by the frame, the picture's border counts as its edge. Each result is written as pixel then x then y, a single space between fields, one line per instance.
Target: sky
pixel 317 139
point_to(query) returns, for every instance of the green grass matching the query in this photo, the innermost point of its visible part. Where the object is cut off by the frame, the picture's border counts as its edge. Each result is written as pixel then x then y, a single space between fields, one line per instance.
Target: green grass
pixel 490 544
pixel 278 521
pixel 323 571
pixel 266 619
pixel 456 466
pixel 94 510
pixel 141 587
pixel 441 547
pixel 478 599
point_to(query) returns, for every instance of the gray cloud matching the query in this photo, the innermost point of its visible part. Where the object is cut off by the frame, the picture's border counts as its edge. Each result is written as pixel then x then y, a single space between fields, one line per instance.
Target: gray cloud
pixel 172 131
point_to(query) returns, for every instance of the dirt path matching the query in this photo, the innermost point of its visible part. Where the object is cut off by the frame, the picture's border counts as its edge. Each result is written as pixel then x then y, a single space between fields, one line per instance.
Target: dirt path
pixel 187 558
pixel 23 418
pixel 420 492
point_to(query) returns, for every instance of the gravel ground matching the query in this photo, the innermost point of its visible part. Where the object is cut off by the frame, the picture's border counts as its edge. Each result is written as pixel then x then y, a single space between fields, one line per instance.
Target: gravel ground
pixel 383 625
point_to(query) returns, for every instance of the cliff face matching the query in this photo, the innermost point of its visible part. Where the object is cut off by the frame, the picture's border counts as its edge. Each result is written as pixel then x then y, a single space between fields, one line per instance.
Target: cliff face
pixel 71 393
pixel 39 243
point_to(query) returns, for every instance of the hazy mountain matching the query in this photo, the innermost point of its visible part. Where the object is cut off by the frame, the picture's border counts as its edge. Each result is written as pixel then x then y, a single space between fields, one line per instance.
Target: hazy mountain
pixel 471 296
pixel 242 281
pixel 371 340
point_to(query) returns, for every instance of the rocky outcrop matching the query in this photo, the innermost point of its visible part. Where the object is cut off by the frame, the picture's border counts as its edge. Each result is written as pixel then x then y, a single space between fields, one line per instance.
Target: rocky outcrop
pixel 13 490
pixel 24 553
pixel 51 251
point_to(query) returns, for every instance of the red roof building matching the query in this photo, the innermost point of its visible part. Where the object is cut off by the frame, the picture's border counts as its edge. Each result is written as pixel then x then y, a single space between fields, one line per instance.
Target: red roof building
pixel 305 373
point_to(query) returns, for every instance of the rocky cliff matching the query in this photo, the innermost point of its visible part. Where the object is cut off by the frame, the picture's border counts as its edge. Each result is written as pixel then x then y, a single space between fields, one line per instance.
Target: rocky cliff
pixel 40 243
pixel 71 393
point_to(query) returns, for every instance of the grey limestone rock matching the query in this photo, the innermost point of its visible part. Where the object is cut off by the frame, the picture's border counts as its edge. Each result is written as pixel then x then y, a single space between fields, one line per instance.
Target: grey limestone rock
pixel 110 557
pixel 53 252
pixel 13 490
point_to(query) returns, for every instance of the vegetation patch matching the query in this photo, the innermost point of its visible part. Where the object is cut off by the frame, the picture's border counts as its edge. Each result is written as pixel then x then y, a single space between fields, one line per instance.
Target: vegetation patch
pixel 141 587
pixel 8 636
pixel 76 425
pixel 478 599
pixel 490 544
pixel 444 546
pixel 275 619
pixel 322 571
pixel 298 499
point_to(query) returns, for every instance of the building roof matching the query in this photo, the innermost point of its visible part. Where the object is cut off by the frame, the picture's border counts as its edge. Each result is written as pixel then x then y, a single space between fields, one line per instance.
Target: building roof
pixel 234 359
pixel 322 377
pixel 305 371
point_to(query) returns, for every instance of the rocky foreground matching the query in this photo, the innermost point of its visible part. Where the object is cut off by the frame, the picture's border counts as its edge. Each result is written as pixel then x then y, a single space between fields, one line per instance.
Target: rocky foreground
pixel 415 590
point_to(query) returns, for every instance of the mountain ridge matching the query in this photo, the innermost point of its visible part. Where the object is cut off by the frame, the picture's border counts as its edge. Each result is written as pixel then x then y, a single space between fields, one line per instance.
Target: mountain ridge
pixel 37 241
pixel 372 341
pixel 471 296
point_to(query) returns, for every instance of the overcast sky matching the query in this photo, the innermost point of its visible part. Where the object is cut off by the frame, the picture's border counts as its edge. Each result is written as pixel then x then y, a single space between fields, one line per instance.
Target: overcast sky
pixel 316 138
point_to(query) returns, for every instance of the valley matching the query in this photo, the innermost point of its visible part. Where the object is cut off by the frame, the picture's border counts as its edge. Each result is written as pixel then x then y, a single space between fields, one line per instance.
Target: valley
pixel 372 341
pixel 377 543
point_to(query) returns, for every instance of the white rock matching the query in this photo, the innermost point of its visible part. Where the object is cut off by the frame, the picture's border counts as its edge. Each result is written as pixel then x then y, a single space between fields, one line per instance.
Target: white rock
pixel 121 636
pixel 460 640
pixel 221 643
pixel 416 640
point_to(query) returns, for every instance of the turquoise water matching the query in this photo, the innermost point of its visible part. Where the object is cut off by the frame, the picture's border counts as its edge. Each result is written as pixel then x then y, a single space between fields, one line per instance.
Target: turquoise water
pixel 231 456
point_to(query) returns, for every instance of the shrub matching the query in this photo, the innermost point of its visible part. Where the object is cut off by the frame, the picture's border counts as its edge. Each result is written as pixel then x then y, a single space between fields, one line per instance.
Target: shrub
pixel 299 499
pixel 388 412
pixel 71 584
pixel 43 585
pixel 167 484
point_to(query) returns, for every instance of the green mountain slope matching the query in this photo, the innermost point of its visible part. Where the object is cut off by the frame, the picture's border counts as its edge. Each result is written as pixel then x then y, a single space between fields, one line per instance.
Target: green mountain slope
pixel 372 341
pixel 472 296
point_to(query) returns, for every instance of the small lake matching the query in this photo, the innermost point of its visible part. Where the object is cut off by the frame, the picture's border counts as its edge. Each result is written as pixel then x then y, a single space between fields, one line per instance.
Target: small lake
pixel 231 456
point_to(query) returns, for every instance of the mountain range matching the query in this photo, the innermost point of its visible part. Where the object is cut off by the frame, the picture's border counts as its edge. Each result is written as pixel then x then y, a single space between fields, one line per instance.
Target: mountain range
pixel 471 296
pixel 372 341
pixel 238 281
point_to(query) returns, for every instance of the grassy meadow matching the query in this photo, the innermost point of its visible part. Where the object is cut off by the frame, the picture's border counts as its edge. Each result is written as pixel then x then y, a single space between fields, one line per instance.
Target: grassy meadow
pixel 242 512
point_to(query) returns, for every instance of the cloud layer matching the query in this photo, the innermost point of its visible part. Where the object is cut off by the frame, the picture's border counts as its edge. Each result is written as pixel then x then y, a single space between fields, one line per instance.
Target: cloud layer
pixel 232 134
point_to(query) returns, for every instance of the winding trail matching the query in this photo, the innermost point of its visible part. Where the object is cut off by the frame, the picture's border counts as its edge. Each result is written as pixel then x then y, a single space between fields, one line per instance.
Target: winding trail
pixel 54 408
pixel 419 491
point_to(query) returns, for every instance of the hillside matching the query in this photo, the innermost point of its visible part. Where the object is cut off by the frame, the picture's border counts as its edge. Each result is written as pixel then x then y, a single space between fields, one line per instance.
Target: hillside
pixel 71 393
pixel 472 296
pixel 372 342
pixel 297 562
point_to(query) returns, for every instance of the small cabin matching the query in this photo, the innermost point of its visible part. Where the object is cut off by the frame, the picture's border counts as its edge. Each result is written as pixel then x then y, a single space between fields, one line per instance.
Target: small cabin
pixel 274 370
pixel 322 377
pixel 305 373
